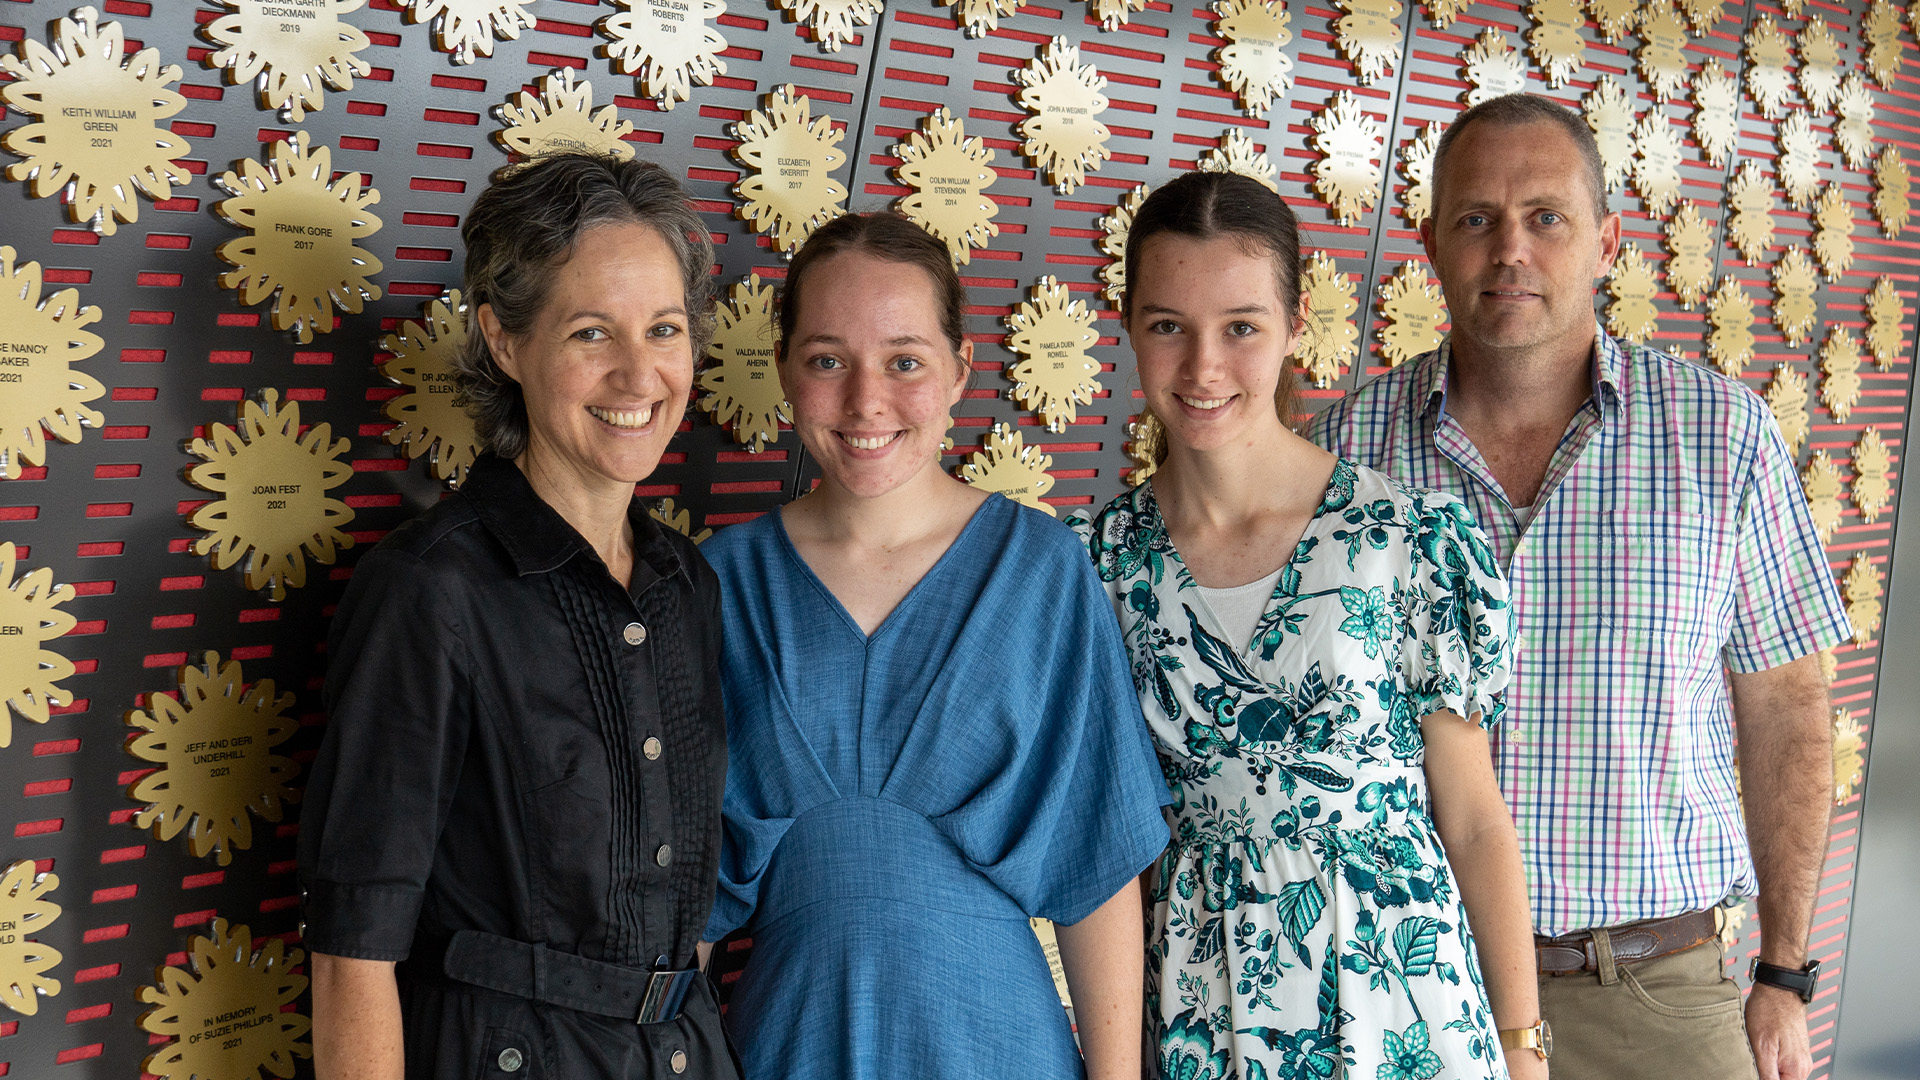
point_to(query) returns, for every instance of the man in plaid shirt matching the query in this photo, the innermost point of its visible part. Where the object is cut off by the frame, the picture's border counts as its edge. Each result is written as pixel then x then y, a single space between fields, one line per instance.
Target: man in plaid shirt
pixel 1671 593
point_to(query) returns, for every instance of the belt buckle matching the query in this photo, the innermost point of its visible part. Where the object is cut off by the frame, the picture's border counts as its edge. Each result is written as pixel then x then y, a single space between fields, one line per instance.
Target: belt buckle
pixel 666 991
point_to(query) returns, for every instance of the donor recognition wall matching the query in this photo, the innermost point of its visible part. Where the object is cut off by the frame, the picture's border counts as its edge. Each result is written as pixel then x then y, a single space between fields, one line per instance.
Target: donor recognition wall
pixel 229 270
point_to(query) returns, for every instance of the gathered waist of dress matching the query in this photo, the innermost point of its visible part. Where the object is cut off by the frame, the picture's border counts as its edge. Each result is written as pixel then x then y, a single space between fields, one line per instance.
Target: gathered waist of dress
pixel 854 852
pixel 1383 804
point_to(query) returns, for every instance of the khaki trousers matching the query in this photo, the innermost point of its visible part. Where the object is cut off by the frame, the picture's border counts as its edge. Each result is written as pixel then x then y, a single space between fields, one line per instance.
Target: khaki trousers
pixel 1669 1017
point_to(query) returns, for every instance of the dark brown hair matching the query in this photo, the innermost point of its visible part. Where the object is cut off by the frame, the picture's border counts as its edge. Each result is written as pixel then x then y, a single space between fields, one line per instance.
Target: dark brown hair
pixel 887 236
pixel 1203 206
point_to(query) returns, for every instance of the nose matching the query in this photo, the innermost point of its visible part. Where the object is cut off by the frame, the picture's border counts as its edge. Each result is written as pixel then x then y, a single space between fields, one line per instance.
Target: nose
pixel 1510 242
pixel 642 373
pixel 865 391
pixel 1206 359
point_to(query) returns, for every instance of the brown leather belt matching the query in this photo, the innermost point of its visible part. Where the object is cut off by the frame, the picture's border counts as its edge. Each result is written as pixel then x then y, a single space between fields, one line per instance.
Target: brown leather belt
pixel 1570 953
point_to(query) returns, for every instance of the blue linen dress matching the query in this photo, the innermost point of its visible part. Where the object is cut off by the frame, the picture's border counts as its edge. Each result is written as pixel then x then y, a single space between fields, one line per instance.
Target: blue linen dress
pixel 898 806
pixel 1305 922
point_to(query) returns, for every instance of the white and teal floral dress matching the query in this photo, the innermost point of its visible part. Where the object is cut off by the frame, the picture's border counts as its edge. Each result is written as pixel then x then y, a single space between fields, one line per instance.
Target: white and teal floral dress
pixel 1305 921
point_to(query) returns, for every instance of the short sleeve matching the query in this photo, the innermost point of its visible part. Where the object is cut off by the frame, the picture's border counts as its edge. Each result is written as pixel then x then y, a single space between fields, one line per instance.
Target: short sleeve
pixel 1079 813
pixel 397 730
pixel 1786 604
pixel 1459 652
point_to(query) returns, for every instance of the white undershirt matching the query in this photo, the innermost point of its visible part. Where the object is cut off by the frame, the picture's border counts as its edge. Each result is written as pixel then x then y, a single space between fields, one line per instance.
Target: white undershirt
pixel 1240 607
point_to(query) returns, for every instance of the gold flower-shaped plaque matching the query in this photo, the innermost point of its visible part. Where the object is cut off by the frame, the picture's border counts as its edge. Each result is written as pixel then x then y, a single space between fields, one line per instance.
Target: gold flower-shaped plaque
pixel 1768 80
pixel 1880 30
pixel 1799 164
pixel 214 745
pixel 98 138
pixel 1329 340
pixel 1063 136
pixel 1345 177
pixel 224 1017
pixel 273 505
pixel 562 119
pixel 1254 63
pixel 1690 255
pixel 25 909
pixel 833 23
pixel 670 45
pixel 1656 170
pixel 1704 15
pixel 1886 323
pixel 1237 154
pixel 1443 12
pixel 468 28
pixel 792 154
pixel 1617 17
pixel 1052 332
pixel 301 250
pixel 1840 368
pixel 1833 232
pixel 1791 8
pixel 1412 308
pixel 1368 33
pixel 1819 64
pixel 979 18
pixel 680 520
pixel 1730 314
pixel 1492 67
pixel 1871 465
pixel 1716 119
pixel 1863 590
pixel 1611 118
pixel 1113 243
pixel 290 49
pixel 1113 14
pixel 1787 398
pixel 1829 666
pixel 1849 760
pixel 1145 435
pixel 1632 314
pixel 1794 283
pixel 1416 164
pixel 740 385
pixel 1853 132
pixel 1662 57
pixel 1555 40
pixel 1821 482
pixel 41 393
pixel 1004 463
pixel 30 617
pixel 949 174
pixel 1751 225
pixel 425 418
pixel 1892 190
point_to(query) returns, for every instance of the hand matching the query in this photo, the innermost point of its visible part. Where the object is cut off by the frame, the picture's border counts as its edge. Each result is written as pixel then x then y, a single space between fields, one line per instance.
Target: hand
pixel 1526 1065
pixel 1777 1030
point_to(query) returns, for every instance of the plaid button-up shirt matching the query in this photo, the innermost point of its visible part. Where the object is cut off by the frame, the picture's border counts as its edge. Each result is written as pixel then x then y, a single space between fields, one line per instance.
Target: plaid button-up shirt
pixel 1670 540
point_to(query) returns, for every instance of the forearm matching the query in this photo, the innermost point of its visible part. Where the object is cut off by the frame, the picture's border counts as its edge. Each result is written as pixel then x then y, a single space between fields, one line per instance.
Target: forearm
pixel 1486 863
pixel 356 1020
pixel 1786 768
pixel 1104 955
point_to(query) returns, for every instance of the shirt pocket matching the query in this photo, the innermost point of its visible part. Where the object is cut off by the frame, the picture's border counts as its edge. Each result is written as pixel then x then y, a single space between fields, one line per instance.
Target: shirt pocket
pixel 1662 575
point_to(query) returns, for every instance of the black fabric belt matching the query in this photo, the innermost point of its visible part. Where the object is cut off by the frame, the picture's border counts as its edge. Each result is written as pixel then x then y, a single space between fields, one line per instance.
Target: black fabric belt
pixel 1575 952
pixel 550 977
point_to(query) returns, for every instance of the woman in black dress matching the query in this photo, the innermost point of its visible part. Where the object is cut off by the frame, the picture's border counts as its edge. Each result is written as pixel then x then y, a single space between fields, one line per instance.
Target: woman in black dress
pixel 509 845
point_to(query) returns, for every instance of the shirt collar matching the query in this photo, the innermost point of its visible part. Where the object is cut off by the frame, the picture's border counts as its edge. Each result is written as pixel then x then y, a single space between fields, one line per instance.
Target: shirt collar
pixel 536 537
pixel 1609 358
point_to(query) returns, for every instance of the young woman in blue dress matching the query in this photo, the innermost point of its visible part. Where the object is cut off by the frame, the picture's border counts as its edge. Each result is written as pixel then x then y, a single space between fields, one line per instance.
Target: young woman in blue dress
pixel 1319 652
pixel 934 736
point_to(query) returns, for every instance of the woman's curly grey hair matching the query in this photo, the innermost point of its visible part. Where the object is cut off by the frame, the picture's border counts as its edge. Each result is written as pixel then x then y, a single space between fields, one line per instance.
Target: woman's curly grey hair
pixel 524 225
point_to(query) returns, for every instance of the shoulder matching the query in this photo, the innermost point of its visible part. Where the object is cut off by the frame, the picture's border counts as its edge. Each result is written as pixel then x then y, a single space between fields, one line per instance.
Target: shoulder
pixel 1685 383
pixel 691 556
pixel 729 548
pixel 1424 510
pixel 446 544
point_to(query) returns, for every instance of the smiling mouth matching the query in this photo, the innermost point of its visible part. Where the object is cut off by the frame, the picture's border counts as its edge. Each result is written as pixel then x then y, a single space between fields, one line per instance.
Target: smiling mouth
pixel 873 443
pixel 623 418
pixel 1510 294
pixel 1202 403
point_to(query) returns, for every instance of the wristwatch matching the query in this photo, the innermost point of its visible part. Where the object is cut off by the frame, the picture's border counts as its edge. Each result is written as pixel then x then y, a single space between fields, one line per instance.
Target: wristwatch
pixel 1799 980
pixel 1538 1038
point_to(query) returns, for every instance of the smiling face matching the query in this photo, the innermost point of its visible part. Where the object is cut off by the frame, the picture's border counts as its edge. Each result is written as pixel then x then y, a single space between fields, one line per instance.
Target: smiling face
pixel 1211 334
pixel 606 367
pixel 1515 242
pixel 870 375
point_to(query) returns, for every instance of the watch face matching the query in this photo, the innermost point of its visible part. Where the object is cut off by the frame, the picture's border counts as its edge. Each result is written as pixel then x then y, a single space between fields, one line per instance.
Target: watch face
pixel 1546 1040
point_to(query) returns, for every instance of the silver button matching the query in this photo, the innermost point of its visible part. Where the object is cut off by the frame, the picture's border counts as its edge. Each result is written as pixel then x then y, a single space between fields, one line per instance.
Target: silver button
pixel 634 633
pixel 651 748
pixel 510 1060
pixel 678 1062
pixel 664 855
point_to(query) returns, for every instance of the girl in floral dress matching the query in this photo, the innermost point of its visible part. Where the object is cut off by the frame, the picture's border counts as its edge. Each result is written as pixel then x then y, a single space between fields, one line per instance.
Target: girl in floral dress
pixel 1319 652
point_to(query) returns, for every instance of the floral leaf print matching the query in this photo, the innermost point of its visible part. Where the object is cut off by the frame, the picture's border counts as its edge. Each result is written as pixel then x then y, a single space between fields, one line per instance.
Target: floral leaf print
pixel 1417 940
pixel 1187 1053
pixel 1407 1055
pixel 1212 939
pixel 1221 658
pixel 1299 908
pixel 1369 619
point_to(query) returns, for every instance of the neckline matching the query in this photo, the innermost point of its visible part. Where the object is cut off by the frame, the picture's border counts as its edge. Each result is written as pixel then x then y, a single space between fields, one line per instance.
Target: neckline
pixel 792 553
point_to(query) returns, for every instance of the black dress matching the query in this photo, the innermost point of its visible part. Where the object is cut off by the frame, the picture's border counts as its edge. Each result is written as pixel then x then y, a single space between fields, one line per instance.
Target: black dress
pixel 519 747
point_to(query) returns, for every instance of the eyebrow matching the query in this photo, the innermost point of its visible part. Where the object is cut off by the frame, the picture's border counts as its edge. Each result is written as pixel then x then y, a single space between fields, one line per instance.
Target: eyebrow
pixel 1244 309
pixel 835 339
pixel 608 316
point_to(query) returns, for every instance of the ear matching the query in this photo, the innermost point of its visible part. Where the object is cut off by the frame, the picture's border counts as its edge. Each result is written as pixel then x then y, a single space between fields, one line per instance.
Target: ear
pixel 1609 244
pixel 966 372
pixel 499 342
pixel 1304 308
pixel 1426 236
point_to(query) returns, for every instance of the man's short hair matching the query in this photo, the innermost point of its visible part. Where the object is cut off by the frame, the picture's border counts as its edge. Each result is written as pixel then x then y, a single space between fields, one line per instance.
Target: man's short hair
pixel 1514 110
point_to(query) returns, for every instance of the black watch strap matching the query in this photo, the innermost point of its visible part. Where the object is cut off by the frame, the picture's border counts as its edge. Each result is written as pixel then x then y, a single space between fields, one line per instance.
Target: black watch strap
pixel 1800 981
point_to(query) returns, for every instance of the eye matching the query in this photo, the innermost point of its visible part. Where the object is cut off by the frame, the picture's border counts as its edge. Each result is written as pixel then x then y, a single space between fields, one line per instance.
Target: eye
pixel 1164 326
pixel 908 363
pixel 1550 217
pixel 1474 221
pixel 823 362
pixel 590 333
pixel 663 330
pixel 1241 329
